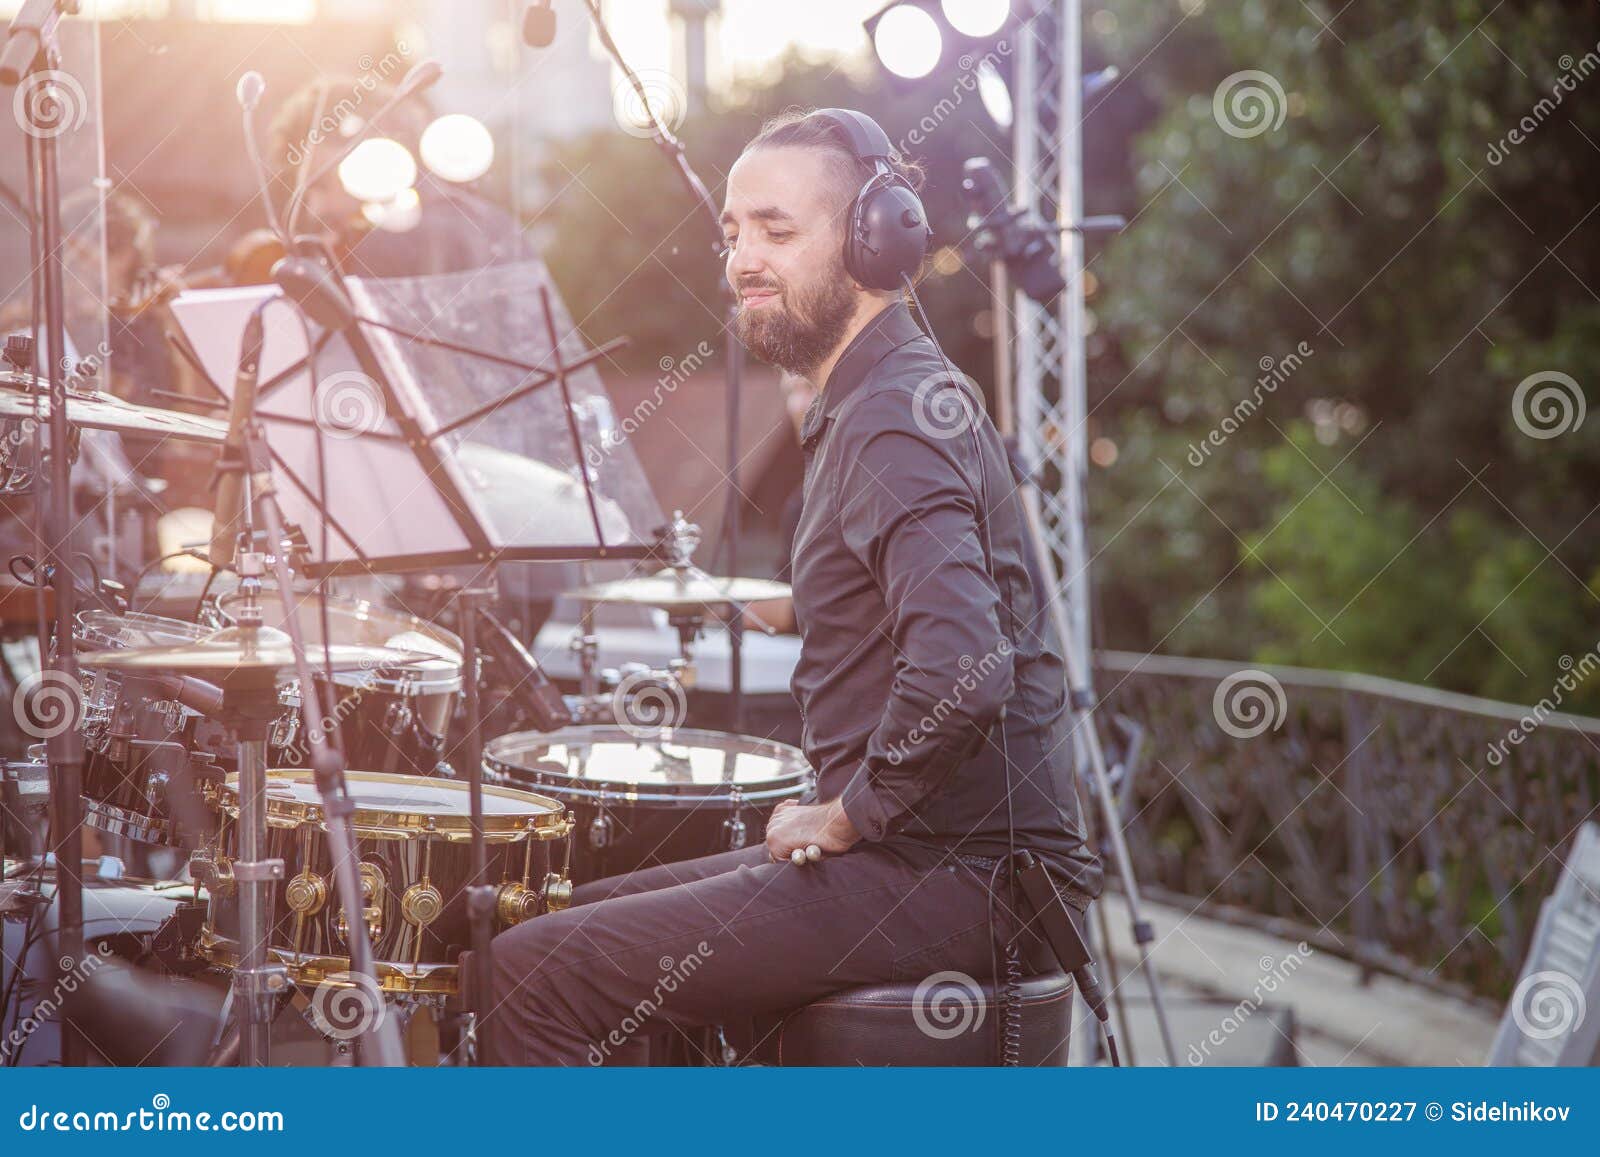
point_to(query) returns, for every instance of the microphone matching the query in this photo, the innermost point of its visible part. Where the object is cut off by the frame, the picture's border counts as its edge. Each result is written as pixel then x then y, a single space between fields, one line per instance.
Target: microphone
pixel 249 90
pixel 424 74
pixel 307 277
pixel 248 93
pixel 228 512
pixel 539 24
pixel 195 694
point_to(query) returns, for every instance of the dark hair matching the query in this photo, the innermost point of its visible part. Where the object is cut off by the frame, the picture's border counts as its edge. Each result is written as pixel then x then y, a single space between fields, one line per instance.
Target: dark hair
pixel 130 224
pixel 798 128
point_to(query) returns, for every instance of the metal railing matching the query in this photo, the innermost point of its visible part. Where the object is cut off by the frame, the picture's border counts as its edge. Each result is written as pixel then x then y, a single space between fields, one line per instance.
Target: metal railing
pixel 1402 827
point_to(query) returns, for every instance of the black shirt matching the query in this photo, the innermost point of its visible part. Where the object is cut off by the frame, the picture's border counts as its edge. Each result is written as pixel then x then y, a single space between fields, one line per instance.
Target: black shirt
pixel 911 663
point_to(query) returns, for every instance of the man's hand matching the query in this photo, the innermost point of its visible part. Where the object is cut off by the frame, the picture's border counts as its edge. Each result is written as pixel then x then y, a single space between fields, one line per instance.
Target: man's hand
pixel 798 825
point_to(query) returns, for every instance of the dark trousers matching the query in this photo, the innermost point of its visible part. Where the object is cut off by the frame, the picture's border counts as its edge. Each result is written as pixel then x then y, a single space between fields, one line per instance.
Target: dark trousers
pixel 723 938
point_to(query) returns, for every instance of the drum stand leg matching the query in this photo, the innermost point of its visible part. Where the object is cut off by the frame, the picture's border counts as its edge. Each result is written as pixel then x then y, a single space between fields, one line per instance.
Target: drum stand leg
pixel 226 1047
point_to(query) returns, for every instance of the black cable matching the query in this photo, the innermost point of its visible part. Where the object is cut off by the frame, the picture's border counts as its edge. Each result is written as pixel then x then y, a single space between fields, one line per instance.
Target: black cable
pixel 1009 1023
pixel 145 570
pixel 205 589
pixel 30 934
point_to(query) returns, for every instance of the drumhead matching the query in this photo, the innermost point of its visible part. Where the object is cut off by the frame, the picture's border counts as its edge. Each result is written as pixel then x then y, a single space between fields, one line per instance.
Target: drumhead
pixel 680 767
pixel 358 621
pixel 403 805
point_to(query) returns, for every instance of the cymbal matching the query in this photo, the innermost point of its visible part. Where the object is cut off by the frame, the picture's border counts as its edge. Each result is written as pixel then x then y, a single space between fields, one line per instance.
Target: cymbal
pixel 23 396
pixel 673 589
pixel 246 654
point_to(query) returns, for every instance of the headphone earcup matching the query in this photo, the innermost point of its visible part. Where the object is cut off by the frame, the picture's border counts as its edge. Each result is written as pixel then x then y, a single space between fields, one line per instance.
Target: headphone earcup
pixel 889 235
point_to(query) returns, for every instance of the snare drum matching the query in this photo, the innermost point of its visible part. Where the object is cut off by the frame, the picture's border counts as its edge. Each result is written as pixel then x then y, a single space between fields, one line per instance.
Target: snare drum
pixel 138 742
pixel 643 802
pixel 391 720
pixel 413 843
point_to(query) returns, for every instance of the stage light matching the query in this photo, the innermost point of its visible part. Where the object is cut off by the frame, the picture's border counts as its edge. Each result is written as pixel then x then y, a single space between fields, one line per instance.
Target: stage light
pixel 378 170
pixel 976 18
pixel 994 94
pixel 908 41
pixel 400 215
pixel 457 148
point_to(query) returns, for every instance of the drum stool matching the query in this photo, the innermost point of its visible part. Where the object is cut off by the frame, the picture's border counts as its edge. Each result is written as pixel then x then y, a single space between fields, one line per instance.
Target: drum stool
pixel 881 1025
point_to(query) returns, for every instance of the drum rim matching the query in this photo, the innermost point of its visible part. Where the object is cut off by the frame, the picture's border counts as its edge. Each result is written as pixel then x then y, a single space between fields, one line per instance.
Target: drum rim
pixel 549 821
pixel 84 619
pixel 687 794
pixel 414 680
pixel 394 977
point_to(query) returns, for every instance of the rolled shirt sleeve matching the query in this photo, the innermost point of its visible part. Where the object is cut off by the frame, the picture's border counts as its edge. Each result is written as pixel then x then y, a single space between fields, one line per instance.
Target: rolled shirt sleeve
pixel 908 512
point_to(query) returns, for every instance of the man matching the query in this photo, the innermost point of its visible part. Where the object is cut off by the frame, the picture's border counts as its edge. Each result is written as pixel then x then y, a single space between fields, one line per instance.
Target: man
pixel 908 656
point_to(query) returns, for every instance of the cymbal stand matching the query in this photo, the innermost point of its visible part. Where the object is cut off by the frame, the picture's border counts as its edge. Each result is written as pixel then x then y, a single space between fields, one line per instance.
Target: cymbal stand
pixel 248 707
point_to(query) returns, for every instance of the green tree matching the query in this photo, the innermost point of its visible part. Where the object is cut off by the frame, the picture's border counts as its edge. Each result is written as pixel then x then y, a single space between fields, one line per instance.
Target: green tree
pixel 1383 508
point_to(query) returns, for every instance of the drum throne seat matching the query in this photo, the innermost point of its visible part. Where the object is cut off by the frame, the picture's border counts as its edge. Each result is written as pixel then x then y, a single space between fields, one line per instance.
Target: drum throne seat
pixel 904 1024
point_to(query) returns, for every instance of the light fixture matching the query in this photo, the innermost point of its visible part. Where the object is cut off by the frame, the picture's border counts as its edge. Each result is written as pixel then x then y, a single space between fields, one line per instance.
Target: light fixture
pixel 994 94
pixel 977 18
pixel 908 41
pixel 378 170
pixel 457 147
pixel 402 214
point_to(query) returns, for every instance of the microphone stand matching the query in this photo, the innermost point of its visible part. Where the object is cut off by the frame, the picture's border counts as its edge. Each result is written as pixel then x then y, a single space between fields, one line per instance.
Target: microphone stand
pixel 31 50
pixel 733 355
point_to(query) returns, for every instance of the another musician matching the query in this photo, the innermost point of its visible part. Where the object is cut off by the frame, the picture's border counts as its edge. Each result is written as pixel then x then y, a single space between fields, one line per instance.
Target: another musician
pixel 457 231
pixel 906 681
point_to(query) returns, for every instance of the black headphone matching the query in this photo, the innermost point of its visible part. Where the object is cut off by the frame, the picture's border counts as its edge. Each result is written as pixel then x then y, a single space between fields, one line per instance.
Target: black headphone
pixel 888 234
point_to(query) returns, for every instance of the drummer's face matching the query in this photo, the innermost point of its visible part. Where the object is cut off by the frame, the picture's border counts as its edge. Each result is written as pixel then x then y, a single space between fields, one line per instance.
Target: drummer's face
pixel 784 226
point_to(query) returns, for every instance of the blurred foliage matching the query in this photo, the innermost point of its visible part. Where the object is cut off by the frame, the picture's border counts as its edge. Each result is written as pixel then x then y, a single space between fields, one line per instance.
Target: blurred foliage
pixel 1381 510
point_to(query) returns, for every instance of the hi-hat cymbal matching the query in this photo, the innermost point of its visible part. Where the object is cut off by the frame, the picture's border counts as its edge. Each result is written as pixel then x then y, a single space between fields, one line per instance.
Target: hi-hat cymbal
pixel 22 396
pixel 673 589
pixel 238 654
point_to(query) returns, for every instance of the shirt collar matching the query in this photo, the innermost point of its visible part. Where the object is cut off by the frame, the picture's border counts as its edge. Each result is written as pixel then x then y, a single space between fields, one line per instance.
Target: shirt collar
pixel 890 329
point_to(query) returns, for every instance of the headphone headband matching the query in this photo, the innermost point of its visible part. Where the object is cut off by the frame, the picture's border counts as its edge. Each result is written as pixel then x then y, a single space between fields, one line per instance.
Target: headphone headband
pixel 888 235
pixel 866 135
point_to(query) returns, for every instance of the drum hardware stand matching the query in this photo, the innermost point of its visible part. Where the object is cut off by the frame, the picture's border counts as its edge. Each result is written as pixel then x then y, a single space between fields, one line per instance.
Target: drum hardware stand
pixel 246 454
pixel 326 762
pixel 482 896
pixel 539 696
pixel 31 51
pixel 996 228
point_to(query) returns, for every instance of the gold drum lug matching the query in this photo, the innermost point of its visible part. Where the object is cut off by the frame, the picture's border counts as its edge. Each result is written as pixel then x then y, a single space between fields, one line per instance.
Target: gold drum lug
pixel 306 893
pixel 421 904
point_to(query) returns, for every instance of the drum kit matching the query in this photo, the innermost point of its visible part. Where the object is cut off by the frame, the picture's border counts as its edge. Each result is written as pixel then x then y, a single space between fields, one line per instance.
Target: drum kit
pixel 198 742
pixel 321 759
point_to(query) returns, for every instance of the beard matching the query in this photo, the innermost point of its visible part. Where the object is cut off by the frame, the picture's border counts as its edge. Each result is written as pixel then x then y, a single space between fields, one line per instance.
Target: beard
pixel 803 326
